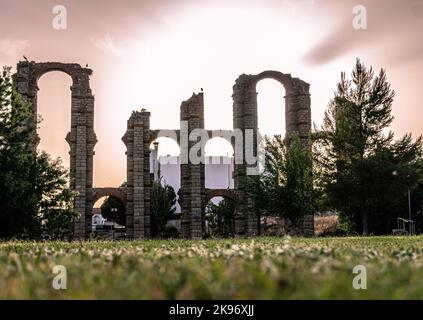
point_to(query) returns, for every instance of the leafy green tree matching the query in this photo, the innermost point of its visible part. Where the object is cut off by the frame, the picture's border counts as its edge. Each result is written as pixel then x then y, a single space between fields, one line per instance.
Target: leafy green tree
pixel 366 173
pixel 285 188
pixel 18 216
pixel 163 207
pixel 33 188
pixel 220 218
pixel 57 214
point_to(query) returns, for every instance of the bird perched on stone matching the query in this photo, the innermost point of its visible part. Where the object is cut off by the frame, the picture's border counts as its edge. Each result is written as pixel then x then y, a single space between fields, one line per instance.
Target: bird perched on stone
pixel 26 59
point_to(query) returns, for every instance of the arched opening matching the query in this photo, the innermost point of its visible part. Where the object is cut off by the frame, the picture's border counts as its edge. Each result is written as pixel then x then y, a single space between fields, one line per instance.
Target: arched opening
pixel 164 161
pixel 166 147
pixel 165 164
pixel 220 217
pixel 270 107
pixel 219 165
pixel 219 147
pixel 108 215
pixel 53 106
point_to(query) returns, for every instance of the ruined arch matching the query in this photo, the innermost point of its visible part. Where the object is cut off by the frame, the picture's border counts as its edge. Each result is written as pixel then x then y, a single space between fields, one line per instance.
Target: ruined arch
pixel 224 193
pixel 137 194
pixel 193 196
pixel 297 120
pixel 81 137
pixel 297 102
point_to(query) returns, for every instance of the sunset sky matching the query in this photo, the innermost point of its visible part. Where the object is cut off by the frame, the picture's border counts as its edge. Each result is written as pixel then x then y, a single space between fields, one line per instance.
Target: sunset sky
pixel 154 54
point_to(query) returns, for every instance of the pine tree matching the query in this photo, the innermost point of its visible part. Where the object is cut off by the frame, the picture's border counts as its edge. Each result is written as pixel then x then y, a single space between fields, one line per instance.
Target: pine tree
pixel 361 163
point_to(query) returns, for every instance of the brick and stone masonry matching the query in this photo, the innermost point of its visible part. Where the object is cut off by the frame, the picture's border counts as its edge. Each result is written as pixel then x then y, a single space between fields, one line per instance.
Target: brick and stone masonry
pixel 193 192
pixel 193 196
pixel 139 181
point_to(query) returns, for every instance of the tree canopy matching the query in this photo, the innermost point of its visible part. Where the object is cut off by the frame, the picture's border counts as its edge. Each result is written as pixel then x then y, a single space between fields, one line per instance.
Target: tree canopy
pixel 365 171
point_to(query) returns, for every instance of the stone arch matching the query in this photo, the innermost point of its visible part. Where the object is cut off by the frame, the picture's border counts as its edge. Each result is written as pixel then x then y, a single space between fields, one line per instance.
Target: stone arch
pixel 119 193
pixel 75 71
pixel 227 194
pixel 297 102
pixel 224 193
pixel 81 137
pixel 297 120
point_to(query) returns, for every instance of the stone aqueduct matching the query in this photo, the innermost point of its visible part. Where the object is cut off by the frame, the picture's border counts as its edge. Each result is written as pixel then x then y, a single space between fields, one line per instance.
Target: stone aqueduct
pixel 193 195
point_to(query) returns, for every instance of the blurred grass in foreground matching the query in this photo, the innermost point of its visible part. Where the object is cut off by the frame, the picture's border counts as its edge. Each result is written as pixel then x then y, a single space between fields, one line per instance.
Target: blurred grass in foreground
pixel 261 268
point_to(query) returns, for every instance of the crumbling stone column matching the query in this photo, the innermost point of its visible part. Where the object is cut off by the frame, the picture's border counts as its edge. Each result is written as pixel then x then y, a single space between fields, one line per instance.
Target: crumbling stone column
pixel 192 193
pixel 139 184
pixel 81 137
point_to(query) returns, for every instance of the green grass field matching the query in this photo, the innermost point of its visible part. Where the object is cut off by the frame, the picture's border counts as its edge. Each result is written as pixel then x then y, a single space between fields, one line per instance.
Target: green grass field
pixel 263 268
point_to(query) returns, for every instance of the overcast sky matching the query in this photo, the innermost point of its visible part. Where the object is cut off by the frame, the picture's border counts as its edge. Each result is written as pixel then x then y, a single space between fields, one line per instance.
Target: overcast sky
pixel 154 54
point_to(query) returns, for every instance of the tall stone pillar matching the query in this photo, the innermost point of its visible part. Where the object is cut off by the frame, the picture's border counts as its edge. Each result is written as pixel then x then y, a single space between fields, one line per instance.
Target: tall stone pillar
pixel 297 111
pixel 82 140
pixel 245 118
pixel 192 194
pixel 139 184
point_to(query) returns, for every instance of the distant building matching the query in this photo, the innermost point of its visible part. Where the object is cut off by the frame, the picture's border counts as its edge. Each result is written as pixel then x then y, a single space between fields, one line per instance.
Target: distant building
pixel 218 172
pixel 101 223
pixel 97 219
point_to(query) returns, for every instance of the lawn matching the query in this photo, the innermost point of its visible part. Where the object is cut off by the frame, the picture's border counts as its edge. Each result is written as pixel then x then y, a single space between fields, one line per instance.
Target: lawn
pixel 261 268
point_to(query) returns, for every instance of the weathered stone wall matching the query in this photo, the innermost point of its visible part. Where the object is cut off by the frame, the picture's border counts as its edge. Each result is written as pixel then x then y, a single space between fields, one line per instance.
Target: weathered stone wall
pixel 192 194
pixel 139 180
pixel 81 137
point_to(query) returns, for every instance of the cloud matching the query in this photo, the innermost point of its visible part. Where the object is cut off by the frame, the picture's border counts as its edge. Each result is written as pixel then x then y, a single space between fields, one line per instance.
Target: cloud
pixel 13 47
pixel 108 44
pixel 392 30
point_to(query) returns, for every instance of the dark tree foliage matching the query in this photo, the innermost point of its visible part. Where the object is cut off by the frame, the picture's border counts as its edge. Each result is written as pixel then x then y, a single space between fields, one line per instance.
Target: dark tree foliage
pixel 163 207
pixel 285 188
pixel 366 173
pixel 220 218
pixel 114 210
